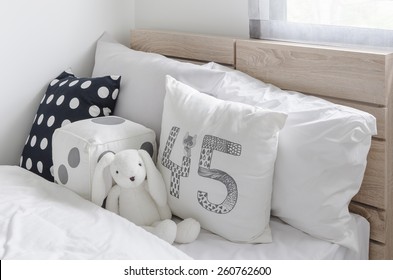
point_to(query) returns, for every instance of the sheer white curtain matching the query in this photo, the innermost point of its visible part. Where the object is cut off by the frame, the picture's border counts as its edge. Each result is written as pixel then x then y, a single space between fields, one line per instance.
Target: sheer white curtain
pixel 360 22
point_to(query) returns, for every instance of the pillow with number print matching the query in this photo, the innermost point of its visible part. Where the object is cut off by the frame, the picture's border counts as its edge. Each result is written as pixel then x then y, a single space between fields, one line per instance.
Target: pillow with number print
pixel 217 159
pixel 67 99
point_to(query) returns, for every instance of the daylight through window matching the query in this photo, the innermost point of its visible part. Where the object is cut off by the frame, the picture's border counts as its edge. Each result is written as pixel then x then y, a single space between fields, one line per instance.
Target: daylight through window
pixel 365 22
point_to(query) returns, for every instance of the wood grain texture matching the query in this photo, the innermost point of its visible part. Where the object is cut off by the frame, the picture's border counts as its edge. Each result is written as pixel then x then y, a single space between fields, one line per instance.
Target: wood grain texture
pixel 330 72
pixel 378 251
pixel 359 78
pixel 376 218
pixel 194 47
pixel 373 190
pixel 389 155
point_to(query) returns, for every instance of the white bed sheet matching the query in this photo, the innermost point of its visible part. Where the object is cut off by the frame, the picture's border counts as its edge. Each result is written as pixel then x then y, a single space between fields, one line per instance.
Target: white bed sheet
pixel 288 244
pixel 42 220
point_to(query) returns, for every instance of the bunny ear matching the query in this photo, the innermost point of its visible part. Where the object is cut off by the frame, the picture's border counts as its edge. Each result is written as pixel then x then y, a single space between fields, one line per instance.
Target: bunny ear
pixel 155 182
pixel 102 180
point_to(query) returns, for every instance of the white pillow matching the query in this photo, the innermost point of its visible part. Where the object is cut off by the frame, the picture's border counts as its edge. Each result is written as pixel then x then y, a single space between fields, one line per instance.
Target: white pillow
pixel 143 80
pixel 217 159
pixel 321 158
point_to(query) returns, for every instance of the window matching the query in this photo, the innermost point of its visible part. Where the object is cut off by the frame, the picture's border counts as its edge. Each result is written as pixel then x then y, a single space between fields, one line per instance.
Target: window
pixel 365 22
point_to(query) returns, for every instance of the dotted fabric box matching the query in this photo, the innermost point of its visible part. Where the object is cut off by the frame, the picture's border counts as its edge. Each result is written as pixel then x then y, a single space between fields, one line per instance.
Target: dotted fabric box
pixel 77 147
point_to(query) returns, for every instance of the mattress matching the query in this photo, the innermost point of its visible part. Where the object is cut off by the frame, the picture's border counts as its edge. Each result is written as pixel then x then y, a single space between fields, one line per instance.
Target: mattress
pixel 288 244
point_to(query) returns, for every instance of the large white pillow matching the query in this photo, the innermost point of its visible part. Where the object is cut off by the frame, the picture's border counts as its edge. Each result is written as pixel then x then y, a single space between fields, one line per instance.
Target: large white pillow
pixel 143 80
pixel 217 159
pixel 321 158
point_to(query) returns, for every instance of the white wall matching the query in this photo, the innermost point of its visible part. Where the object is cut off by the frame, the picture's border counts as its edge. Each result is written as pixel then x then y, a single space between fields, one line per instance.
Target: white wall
pixel 40 39
pixel 216 17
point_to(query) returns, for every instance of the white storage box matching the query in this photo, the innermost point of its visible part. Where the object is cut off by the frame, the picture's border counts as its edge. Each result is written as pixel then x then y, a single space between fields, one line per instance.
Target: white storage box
pixel 77 147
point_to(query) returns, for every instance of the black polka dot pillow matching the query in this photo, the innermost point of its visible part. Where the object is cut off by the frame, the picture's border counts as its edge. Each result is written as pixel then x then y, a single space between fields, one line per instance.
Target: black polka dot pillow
pixel 67 99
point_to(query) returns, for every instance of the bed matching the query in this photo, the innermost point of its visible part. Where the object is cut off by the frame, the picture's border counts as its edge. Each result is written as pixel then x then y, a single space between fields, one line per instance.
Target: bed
pixel 41 220
pixel 337 75
pixel 359 78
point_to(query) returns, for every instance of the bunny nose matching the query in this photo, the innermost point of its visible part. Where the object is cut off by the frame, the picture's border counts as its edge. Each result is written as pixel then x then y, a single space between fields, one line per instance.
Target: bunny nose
pixel 132 178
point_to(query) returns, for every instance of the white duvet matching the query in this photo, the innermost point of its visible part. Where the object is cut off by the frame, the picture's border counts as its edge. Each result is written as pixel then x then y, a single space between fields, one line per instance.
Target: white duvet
pixel 41 220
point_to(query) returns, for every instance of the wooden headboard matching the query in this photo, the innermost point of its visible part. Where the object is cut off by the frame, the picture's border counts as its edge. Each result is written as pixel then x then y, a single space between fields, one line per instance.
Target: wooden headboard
pixel 360 78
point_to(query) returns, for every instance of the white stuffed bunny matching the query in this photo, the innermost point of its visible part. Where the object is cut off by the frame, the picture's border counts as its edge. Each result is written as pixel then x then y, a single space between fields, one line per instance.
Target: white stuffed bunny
pixel 139 195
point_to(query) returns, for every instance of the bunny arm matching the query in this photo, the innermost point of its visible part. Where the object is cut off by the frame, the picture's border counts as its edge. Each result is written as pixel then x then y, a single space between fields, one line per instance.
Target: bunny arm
pixel 112 202
pixel 100 186
pixel 155 182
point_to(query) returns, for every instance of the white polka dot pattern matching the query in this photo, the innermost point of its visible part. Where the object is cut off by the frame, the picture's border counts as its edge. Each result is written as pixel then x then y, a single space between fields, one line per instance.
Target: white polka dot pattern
pixel 115 94
pixel 44 144
pixel 103 92
pixel 29 164
pixel 73 83
pixel 63 83
pixel 60 100
pixel 33 141
pixel 43 98
pixel 86 85
pixel 51 121
pixel 107 111
pixel 50 98
pixel 40 166
pixel 67 99
pixel 74 103
pixel 65 122
pixel 94 111
pixel 40 119
pixel 55 81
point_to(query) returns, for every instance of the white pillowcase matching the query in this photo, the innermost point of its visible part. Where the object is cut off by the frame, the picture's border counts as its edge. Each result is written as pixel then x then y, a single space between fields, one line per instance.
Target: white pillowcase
pixel 321 157
pixel 143 80
pixel 217 159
